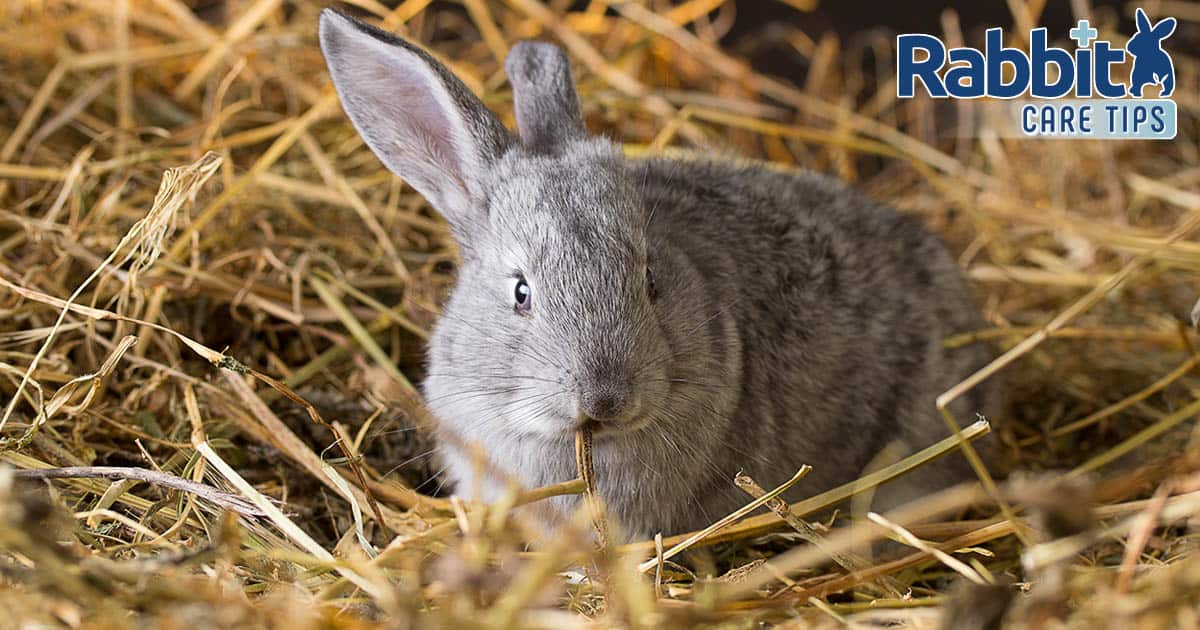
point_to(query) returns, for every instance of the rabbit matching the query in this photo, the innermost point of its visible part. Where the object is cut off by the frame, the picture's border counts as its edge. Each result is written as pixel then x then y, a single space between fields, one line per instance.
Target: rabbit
pixel 701 317
pixel 1151 64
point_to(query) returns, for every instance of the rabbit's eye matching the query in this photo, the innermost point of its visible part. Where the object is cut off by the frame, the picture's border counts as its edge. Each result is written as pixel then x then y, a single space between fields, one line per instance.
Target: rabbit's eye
pixel 523 295
pixel 651 290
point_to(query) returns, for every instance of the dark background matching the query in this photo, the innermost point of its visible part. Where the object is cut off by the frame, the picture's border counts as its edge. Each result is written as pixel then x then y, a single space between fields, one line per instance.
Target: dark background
pixel 759 25
pixel 761 28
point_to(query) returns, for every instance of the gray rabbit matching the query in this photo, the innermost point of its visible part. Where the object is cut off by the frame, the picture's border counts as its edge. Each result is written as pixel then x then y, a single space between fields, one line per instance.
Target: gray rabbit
pixel 705 317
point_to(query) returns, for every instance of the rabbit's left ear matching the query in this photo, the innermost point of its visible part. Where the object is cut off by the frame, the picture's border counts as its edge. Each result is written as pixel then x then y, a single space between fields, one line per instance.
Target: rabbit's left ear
pixel 544 97
pixel 1164 28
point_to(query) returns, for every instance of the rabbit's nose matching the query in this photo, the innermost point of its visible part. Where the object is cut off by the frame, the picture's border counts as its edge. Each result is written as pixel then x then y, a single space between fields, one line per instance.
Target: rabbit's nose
pixel 604 401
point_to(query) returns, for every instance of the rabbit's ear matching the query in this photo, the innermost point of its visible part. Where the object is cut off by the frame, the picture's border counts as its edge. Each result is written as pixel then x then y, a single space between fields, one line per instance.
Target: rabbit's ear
pixel 417 117
pixel 1164 28
pixel 1143 22
pixel 544 97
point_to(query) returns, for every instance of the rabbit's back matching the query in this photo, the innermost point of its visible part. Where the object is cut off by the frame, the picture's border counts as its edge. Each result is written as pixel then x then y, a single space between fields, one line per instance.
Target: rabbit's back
pixel 841 306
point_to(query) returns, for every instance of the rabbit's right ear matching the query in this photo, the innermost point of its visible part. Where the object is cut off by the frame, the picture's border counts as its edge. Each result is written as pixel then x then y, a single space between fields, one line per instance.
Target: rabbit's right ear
pixel 1143 22
pixel 418 118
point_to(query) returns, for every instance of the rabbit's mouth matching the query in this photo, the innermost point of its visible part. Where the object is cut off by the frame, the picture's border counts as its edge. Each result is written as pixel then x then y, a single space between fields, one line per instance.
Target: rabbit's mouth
pixel 610 428
pixel 594 427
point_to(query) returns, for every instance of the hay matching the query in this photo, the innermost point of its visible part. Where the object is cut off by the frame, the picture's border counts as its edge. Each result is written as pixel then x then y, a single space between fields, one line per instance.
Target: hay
pixel 213 303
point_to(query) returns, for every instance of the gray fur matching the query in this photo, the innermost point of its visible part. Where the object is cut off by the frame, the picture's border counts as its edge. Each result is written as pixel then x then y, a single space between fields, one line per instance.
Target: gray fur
pixel 421 121
pixel 544 98
pixel 796 321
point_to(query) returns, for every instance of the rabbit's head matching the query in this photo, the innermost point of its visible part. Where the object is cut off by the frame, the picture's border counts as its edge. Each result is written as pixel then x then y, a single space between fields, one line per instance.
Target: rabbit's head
pixel 1147 41
pixel 556 293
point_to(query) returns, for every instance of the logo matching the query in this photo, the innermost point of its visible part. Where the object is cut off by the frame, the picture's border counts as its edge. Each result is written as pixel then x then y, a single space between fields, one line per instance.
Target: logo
pixel 1055 92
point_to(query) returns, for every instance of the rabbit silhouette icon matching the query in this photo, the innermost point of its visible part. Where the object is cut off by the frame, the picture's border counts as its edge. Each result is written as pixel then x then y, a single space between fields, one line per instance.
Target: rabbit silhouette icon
pixel 1151 64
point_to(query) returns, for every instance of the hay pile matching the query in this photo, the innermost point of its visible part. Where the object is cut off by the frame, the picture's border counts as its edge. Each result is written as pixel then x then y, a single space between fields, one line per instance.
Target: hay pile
pixel 213 302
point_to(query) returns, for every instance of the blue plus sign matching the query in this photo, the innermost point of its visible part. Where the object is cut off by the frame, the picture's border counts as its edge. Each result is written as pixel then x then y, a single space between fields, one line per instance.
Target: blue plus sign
pixel 1083 34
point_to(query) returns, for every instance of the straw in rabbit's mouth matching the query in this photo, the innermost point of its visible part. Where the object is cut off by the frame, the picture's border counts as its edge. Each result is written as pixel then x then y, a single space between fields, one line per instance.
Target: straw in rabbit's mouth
pixel 583 466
